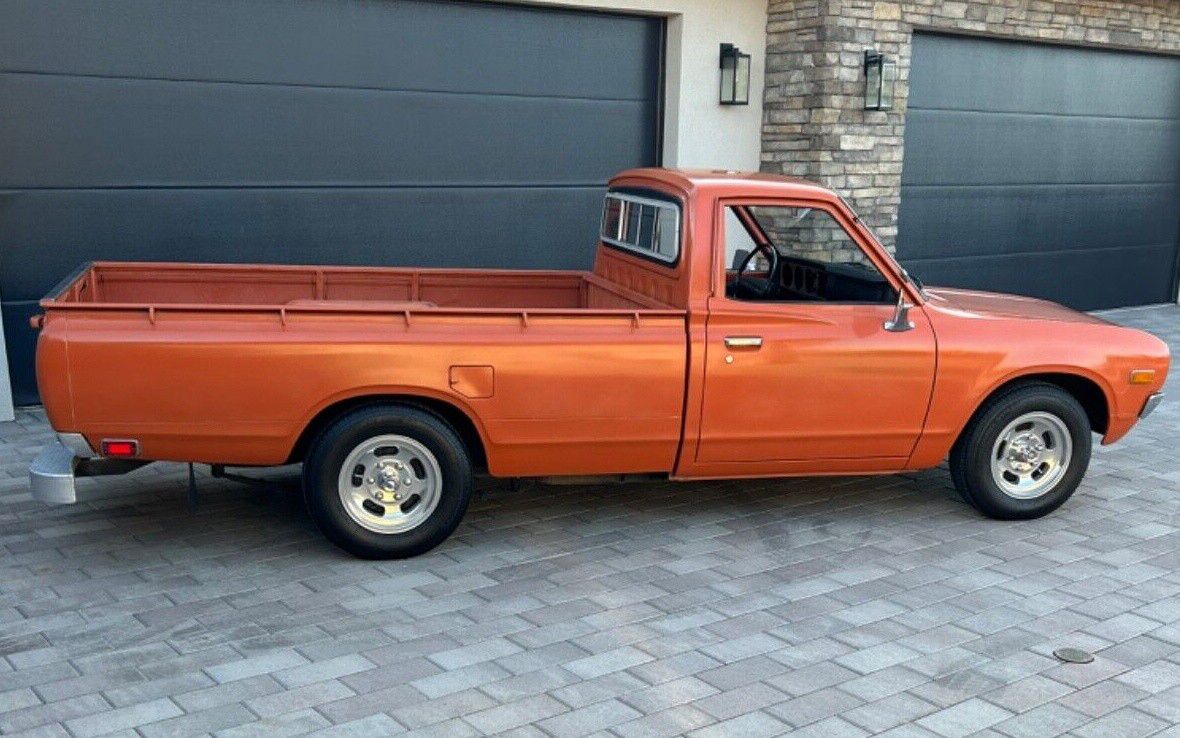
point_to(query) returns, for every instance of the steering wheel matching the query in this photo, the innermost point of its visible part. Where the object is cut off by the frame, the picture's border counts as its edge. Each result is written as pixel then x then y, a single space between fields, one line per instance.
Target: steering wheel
pixel 755 287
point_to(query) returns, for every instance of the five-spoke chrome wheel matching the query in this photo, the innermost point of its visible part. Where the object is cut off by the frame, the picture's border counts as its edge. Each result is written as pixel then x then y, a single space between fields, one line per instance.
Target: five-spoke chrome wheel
pixel 1031 454
pixel 390 484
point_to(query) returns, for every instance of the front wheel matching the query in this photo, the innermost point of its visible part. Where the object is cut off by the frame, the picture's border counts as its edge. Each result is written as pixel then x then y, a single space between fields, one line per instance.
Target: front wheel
pixel 387 482
pixel 1024 453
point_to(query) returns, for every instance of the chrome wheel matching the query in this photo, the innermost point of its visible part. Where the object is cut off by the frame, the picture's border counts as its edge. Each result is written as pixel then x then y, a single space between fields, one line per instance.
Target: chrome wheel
pixel 1031 455
pixel 390 484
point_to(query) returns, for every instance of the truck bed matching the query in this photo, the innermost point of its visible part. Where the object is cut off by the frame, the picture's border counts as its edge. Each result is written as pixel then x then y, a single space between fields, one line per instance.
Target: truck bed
pixel 313 288
pixel 557 372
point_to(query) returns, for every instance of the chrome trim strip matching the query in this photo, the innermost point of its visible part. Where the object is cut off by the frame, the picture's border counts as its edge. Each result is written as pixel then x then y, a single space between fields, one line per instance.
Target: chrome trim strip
pixel 77 443
pixel 1152 403
pixel 743 341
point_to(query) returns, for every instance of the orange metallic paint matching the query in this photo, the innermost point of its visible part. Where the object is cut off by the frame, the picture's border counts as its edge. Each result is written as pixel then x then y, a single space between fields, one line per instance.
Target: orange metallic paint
pixel 612 371
pixel 828 382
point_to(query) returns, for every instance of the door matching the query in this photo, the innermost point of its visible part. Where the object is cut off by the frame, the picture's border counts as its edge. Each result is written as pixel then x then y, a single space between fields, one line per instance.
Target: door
pixel 799 365
pixel 401 133
pixel 1042 170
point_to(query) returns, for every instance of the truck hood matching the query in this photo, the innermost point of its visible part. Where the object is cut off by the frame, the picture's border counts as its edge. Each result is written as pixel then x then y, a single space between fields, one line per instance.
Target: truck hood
pixel 973 303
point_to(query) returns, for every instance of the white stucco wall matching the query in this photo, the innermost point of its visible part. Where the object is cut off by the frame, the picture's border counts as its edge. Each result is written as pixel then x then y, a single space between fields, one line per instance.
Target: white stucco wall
pixel 699 131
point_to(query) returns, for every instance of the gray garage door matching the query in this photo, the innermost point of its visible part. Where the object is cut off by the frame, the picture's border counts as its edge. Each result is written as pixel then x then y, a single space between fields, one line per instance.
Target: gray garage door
pixel 1042 170
pixel 309 131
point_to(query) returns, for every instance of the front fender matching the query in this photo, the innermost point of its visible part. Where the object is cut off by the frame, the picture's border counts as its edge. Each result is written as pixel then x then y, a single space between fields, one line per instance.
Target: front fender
pixel 979 356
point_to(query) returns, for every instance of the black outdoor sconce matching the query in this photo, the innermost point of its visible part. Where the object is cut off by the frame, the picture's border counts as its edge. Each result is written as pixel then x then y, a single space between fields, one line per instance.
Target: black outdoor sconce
pixel 880 71
pixel 735 76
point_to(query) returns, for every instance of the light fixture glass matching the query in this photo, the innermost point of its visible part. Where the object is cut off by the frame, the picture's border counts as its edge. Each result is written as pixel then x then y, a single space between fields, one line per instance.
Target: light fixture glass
pixel 735 76
pixel 880 73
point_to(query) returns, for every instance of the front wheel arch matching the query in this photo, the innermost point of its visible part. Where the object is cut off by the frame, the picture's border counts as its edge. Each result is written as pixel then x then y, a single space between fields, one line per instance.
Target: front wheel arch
pixel 1088 393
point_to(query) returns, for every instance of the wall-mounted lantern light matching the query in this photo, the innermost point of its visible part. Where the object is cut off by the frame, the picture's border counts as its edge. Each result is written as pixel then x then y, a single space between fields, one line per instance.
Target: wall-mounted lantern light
pixel 880 71
pixel 735 76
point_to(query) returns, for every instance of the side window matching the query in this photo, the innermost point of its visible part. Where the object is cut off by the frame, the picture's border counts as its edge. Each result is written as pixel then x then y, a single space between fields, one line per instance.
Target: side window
pixel 645 226
pixel 808 233
pixel 815 258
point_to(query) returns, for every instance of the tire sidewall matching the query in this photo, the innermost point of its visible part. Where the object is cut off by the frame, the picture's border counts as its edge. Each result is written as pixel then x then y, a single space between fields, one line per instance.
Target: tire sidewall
pixel 326 458
pixel 986 493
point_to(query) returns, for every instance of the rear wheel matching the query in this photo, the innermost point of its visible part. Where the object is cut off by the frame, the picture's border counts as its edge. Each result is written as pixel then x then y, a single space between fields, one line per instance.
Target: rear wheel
pixel 1024 453
pixel 387 481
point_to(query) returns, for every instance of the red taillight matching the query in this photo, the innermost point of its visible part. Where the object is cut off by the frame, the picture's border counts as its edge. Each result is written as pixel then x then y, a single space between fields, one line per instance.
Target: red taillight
pixel 120 448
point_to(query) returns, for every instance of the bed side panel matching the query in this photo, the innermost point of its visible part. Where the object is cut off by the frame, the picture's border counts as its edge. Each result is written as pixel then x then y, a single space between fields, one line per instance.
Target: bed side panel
pixel 571 394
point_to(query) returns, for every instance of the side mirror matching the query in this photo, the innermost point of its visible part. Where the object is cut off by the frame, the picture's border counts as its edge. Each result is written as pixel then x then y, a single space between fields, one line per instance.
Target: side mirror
pixel 900 322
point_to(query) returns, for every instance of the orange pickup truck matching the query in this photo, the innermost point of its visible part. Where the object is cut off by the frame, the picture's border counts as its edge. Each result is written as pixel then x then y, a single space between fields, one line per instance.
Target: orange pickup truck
pixel 734 325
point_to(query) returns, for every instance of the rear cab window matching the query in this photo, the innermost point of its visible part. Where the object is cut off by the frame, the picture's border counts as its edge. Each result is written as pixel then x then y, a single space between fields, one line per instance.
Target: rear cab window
pixel 643 225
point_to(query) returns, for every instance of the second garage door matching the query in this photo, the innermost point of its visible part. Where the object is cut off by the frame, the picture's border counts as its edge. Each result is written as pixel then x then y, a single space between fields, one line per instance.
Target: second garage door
pixel 404 132
pixel 1042 170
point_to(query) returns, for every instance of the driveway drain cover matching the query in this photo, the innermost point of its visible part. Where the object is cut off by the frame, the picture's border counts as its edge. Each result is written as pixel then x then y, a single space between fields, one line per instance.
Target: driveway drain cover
pixel 1074 655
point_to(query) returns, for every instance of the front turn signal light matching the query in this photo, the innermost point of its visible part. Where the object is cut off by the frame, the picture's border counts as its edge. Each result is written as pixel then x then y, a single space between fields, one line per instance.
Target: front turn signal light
pixel 1142 376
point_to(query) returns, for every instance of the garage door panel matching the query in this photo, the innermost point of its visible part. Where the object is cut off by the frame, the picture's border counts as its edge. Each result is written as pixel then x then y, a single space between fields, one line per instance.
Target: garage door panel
pixel 386 132
pixel 400 44
pixel 478 227
pixel 1042 170
pixel 1019 219
pixel 1098 278
pixel 80 132
pixel 952 147
pixel 978 74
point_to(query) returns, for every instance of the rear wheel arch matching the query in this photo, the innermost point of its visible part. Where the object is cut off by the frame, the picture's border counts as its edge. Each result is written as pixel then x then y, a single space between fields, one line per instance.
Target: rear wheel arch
pixel 460 419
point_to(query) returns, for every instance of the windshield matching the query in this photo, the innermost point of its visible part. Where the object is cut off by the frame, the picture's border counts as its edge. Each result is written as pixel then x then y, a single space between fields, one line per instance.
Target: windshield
pixel 917 283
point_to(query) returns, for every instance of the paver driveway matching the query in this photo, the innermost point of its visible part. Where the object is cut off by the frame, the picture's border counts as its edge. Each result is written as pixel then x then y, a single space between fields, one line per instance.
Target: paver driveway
pixel 831 607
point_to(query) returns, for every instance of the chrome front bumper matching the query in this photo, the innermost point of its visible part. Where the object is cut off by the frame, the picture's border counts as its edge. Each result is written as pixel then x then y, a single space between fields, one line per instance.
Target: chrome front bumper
pixel 1152 403
pixel 52 473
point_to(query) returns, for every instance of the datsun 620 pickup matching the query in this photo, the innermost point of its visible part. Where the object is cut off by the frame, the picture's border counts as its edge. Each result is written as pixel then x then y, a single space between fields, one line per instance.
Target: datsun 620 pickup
pixel 733 325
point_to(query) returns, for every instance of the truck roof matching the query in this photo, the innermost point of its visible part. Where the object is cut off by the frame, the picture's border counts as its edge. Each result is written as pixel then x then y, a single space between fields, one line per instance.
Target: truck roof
pixel 731 182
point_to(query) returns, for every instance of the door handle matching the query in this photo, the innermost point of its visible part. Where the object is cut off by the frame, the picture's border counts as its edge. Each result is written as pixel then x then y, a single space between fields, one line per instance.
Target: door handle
pixel 743 341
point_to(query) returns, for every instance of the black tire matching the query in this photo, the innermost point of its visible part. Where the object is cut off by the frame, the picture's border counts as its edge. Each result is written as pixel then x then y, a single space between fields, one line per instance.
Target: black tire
pixel 971 457
pixel 322 477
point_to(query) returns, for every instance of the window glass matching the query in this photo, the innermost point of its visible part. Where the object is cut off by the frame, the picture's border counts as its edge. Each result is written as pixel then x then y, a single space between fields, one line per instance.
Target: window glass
pixel 612 217
pixel 631 235
pixel 810 233
pixel 667 233
pixel 647 226
pixel 817 259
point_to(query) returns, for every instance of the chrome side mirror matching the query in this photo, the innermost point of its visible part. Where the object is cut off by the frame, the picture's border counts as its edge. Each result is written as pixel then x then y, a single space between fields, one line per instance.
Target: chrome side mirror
pixel 900 322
